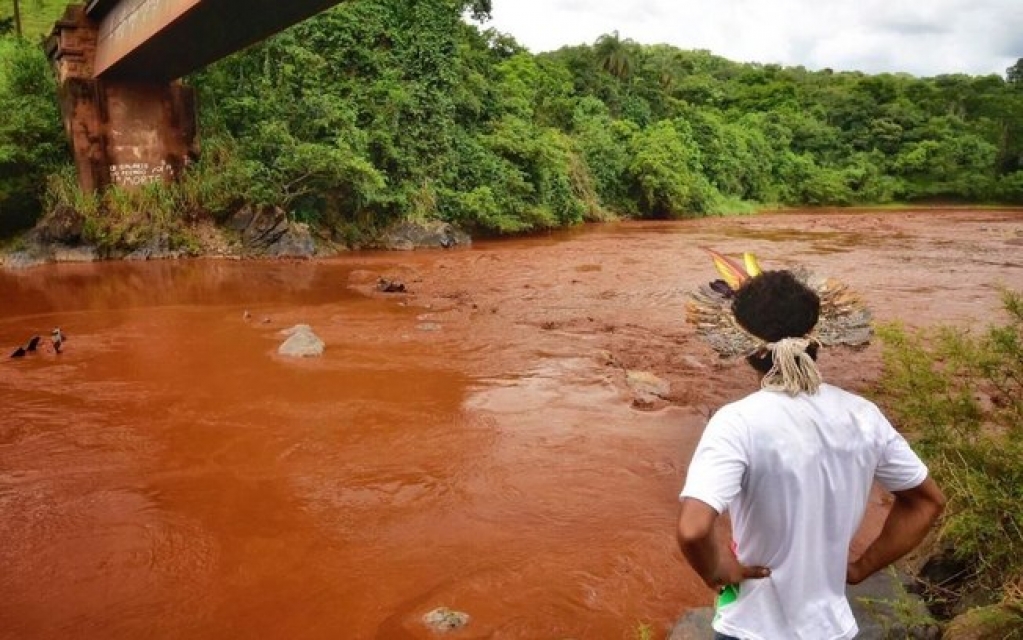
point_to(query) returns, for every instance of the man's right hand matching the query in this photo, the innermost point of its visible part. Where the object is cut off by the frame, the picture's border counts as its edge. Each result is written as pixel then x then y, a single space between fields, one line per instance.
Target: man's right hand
pixel 911 517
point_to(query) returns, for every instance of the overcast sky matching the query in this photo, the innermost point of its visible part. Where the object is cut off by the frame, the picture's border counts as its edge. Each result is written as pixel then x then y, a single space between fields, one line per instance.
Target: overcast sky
pixel 922 37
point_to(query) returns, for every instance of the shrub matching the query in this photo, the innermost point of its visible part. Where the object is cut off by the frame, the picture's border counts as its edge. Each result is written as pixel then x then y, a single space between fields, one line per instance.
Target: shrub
pixel 118 219
pixel 961 396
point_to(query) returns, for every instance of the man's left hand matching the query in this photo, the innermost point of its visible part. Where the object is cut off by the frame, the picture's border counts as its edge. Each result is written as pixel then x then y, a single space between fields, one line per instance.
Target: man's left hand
pixel 731 571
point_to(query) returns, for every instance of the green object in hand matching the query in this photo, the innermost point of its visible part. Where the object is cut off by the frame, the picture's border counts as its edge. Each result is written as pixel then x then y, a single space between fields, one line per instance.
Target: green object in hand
pixel 727 595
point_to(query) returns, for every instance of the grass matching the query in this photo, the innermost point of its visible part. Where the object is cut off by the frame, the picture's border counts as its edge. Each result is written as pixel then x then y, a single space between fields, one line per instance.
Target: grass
pixel 119 219
pixel 37 16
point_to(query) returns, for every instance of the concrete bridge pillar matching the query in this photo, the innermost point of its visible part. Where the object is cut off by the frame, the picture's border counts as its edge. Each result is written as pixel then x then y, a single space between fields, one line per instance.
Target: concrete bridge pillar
pixel 123 132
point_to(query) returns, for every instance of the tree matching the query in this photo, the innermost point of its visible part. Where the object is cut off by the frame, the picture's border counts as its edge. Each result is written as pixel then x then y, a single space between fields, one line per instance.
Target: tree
pixel 17 19
pixel 666 172
pixel 1014 74
pixel 615 55
pixel 604 145
pixel 480 10
pixel 32 141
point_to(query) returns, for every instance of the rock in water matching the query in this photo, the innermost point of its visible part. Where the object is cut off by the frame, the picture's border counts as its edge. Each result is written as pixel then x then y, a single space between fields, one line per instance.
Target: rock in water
pixel 444 619
pixel 301 342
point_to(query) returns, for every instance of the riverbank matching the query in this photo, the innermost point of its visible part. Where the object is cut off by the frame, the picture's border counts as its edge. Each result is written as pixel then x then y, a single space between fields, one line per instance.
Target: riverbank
pixel 252 233
pixel 268 232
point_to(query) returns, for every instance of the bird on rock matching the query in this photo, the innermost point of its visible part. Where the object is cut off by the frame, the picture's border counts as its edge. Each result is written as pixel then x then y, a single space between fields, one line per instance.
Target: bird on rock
pixel 57 338
pixel 27 348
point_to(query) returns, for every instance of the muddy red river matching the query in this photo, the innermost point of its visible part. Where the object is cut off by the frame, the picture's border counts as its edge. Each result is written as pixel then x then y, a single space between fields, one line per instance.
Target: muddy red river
pixel 471 444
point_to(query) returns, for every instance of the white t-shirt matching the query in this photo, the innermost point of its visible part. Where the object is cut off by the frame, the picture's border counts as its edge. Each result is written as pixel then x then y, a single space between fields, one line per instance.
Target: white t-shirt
pixel 795 474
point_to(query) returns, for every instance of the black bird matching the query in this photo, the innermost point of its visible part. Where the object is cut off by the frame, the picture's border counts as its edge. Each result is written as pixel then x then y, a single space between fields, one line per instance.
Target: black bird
pixel 29 346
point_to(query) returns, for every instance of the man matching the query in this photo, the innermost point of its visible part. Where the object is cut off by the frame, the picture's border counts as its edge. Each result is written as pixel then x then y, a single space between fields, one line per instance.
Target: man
pixel 793 464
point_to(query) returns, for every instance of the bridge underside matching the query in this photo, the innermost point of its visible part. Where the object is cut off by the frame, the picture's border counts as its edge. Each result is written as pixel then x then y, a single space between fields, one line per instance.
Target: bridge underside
pixel 157 40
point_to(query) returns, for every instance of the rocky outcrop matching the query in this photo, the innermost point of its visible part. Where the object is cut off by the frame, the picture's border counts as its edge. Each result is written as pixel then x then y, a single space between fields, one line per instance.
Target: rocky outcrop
pixel 156 248
pixel 57 237
pixel 35 254
pixel 406 236
pixel 63 225
pixel 254 232
pixel 267 231
pixel 22 259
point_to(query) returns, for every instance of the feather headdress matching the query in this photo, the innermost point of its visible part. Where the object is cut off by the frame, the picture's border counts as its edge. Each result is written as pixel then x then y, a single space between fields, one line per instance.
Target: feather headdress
pixel 844 319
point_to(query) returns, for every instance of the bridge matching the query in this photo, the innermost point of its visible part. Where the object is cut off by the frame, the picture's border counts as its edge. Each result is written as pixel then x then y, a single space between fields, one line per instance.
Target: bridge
pixel 119 62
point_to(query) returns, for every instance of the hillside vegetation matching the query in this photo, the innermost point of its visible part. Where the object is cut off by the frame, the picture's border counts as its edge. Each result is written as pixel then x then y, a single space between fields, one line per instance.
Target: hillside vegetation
pixel 380 110
pixel 37 16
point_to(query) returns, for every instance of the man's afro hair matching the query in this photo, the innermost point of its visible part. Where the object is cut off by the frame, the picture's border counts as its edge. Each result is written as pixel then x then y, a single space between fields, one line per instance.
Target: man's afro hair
pixel 776 305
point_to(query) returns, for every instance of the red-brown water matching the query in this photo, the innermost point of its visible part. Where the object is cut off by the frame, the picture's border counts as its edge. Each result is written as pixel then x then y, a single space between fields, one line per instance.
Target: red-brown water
pixel 471 445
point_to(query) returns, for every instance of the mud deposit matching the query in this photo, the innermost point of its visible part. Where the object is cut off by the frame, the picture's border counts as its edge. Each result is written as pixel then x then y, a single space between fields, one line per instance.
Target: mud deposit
pixel 471 443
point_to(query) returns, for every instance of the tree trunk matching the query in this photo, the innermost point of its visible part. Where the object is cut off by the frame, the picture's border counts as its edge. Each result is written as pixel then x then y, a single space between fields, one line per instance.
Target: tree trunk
pixel 17 18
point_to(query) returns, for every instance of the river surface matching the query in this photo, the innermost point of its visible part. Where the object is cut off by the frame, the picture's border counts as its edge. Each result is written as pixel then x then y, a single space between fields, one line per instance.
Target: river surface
pixel 470 444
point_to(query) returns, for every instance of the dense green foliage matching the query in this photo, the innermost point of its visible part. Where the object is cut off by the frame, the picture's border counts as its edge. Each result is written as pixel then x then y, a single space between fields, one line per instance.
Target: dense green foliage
pixel 379 110
pixel 961 396
pixel 32 142
pixel 449 121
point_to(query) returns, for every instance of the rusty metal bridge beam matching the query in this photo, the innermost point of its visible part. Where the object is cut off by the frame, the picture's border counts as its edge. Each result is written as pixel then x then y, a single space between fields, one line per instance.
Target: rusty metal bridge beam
pixel 158 40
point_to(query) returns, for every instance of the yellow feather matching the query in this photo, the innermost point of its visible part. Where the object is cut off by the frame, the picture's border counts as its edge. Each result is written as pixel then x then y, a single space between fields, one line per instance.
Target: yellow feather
pixel 752 266
pixel 730 271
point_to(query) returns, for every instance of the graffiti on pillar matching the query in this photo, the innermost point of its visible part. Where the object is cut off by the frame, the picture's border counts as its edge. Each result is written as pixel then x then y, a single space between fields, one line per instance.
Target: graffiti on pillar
pixel 136 174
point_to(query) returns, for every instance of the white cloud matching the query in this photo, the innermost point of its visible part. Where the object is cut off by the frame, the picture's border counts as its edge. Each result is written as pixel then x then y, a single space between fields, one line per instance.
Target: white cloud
pixel 922 37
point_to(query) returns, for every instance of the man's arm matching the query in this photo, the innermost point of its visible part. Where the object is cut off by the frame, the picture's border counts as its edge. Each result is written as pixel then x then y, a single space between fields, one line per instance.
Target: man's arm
pixel 700 547
pixel 911 517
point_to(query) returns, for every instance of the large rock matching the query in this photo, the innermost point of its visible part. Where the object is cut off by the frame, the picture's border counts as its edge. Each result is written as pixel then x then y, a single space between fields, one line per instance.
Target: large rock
pixel 694 625
pixel 301 343
pixel 63 225
pixel 297 242
pixel 267 231
pixel 406 236
pixel 442 620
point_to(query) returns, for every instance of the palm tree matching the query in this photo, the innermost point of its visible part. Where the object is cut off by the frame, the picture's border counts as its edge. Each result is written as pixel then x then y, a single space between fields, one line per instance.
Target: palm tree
pixel 615 55
pixel 665 70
